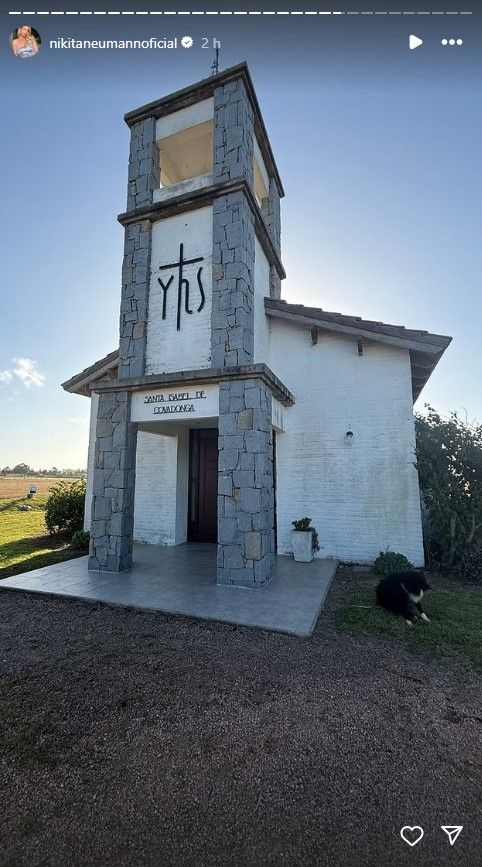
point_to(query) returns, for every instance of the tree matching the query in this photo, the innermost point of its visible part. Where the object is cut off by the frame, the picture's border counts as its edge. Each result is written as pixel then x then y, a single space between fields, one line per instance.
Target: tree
pixel 22 469
pixel 449 463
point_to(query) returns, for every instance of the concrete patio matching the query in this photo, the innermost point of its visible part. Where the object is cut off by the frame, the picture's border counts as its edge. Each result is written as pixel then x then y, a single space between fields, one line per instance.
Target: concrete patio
pixel 181 580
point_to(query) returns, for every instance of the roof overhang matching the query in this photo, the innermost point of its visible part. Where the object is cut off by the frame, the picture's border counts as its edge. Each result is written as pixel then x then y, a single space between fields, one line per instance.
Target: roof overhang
pixel 105 368
pixel 425 349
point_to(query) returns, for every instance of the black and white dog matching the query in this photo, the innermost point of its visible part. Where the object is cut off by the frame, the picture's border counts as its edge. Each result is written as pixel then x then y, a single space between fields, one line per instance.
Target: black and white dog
pixel 401 593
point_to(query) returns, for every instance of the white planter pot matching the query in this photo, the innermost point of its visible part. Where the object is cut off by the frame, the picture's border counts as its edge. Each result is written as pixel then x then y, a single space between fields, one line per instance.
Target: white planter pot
pixel 302 541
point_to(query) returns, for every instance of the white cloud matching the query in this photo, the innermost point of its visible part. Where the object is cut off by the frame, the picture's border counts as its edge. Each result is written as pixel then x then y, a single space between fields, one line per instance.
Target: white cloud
pixel 78 420
pixel 26 370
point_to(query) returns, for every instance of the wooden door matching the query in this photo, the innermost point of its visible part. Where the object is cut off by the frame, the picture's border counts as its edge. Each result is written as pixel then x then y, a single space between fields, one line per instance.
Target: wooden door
pixel 203 485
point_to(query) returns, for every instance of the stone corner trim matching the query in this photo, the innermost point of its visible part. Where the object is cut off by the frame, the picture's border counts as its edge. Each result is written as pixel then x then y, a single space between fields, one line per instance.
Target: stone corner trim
pixel 112 515
pixel 246 543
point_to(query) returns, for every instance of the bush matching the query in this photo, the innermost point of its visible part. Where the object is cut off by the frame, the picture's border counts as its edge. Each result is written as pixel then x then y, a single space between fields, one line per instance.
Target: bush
pixel 81 539
pixel 303 525
pixel 389 561
pixel 449 463
pixel 64 512
pixel 470 567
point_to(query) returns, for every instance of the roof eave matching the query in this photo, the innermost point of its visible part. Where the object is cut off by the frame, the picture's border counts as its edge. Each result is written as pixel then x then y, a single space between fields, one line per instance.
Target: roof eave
pixel 425 349
pixel 80 383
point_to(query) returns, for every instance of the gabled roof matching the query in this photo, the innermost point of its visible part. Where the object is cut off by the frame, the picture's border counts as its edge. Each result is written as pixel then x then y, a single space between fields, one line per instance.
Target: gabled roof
pixel 425 348
pixel 105 368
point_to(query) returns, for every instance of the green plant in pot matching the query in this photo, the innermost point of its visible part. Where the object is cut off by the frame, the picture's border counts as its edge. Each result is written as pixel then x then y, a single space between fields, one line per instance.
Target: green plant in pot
pixel 304 539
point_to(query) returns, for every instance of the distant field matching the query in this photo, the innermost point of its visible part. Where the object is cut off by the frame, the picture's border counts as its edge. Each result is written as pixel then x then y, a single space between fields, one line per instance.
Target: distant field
pixel 17 486
pixel 24 540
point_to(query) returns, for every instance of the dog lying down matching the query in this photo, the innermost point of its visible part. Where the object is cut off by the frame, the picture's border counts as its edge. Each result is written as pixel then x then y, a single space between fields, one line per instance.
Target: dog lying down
pixel 401 593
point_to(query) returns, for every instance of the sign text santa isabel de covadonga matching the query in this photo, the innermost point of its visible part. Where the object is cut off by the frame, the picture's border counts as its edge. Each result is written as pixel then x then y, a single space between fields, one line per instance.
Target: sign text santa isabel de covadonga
pixel 178 401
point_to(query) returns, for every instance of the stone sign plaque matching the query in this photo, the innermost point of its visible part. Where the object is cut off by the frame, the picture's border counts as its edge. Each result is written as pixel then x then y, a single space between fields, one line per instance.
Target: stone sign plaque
pixel 177 403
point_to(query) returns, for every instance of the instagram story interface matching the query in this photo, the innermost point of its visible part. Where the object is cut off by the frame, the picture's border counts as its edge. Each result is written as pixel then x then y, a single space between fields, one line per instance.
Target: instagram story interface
pixel 241 324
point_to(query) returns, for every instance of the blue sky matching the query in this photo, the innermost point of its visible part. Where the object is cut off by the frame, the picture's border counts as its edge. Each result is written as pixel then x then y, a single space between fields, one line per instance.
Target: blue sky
pixel 379 151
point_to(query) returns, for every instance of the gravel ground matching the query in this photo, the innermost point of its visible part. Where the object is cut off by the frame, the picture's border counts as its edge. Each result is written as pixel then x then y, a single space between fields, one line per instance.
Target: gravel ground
pixel 131 738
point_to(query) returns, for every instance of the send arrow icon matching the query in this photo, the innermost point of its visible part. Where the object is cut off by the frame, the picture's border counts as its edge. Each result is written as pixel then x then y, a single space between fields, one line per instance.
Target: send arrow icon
pixel 452 832
pixel 414 41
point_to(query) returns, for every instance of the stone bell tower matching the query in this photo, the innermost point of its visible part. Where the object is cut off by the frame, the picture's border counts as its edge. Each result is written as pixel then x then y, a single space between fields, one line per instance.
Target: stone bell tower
pixel 202 250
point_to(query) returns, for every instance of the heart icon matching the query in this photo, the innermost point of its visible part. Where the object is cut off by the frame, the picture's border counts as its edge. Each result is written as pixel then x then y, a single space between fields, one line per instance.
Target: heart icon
pixel 410 835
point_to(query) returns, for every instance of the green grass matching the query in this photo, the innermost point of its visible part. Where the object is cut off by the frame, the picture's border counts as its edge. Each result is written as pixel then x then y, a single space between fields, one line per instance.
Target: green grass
pixel 24 541
pixel 454 609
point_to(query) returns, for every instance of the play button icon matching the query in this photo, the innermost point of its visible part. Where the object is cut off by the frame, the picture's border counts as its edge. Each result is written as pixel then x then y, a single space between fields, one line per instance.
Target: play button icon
pixel 414 41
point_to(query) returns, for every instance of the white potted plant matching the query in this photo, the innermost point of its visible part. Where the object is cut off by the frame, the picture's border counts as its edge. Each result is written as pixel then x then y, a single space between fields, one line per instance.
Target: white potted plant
pixel 304 539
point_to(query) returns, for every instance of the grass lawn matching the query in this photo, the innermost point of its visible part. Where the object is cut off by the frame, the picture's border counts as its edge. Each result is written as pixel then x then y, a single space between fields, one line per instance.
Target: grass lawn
pixel 24 541
pixel 454 609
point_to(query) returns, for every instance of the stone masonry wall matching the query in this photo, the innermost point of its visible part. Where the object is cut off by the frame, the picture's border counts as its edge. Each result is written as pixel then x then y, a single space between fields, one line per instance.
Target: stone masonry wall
pixel 144 165
pixel 246 547
pixel 134 299
pixel 112 516
pixel 232 317
pixel 232 323
pixel 143 179
pixel 270 208
pixel 233 134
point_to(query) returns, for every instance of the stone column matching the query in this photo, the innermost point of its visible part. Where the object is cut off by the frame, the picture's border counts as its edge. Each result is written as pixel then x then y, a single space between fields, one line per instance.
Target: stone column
pixel 232 317
pixel 233 134
pixel 144 165
pixel 134 299
pixel 144 178
pixel 232 324
pixel 246 549
pixel 270 208
pixel 112 517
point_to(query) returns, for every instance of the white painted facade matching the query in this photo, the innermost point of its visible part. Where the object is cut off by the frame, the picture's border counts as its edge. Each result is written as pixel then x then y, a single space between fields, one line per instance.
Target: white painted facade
pixel 94 403
pixel 361 492
pixel 160 508
pixel 188 348
pixel 177 121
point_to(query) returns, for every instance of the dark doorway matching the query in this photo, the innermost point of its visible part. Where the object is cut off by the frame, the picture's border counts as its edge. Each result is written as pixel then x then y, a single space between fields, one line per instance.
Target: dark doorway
pixel 203 485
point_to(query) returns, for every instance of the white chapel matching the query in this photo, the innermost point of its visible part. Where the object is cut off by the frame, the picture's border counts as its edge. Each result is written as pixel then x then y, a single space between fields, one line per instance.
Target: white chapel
pixel 226 413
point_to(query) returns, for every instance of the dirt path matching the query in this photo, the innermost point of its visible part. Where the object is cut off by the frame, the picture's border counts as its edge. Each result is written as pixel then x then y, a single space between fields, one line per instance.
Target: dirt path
pixel 130 738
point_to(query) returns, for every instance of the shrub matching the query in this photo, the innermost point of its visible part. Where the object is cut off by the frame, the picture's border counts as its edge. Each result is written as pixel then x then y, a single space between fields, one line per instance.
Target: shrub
pixel 470 567
pixel 80 540
pixel 64 512
pixel 303 525
pixel 449 463
pixel 389 561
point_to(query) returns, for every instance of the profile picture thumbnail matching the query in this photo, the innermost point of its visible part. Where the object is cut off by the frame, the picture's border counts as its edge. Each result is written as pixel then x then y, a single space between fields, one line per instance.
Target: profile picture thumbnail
pixel 25 41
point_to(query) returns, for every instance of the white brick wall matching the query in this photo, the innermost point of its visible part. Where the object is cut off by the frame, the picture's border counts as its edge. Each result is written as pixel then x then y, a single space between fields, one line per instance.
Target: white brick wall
pixel 362 496
pixel 157 520
pixel 94 404
pixel 168 349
